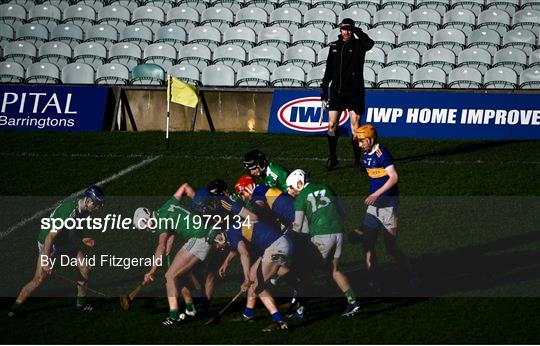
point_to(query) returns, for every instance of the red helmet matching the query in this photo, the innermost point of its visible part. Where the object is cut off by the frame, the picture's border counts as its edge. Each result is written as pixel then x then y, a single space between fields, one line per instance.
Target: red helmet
pixel 245 183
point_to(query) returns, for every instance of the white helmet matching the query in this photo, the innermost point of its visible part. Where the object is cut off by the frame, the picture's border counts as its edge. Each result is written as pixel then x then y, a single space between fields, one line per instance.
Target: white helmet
pixel 296 176
pixel 140 217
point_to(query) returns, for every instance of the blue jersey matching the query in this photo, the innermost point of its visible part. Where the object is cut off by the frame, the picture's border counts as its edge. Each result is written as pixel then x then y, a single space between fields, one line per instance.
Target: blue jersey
pixel 230 206
pixel 375 162
pixel 282 204
pixel 260 235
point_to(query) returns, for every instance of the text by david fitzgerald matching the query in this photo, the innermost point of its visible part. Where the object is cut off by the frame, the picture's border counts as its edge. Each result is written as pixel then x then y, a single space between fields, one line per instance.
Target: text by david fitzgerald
pixel 102 261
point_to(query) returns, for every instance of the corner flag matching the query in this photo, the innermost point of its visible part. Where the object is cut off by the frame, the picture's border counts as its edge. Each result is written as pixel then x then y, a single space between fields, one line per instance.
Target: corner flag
pixel 182 93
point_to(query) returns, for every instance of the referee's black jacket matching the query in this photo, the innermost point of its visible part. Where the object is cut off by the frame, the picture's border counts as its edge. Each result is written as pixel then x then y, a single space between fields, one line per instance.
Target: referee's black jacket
pixel 345 65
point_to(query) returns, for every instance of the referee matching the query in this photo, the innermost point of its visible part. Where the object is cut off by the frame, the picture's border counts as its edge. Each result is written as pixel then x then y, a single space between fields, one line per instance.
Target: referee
pixel 344 75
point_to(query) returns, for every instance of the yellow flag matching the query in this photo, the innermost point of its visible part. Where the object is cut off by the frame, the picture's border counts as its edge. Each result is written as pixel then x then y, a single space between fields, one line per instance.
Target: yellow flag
pixel 182 93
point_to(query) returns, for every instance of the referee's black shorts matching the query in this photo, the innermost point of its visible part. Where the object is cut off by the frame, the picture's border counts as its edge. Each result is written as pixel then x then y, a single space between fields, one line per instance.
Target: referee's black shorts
pixel 352 102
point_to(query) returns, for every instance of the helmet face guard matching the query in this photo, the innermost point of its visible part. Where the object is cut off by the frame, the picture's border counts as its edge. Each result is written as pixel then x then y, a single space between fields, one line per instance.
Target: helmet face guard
pixel 218 187
pixel 365 132
pixel 95 194
pixel 245 183
pixel 141 217
pixel 296 176
pixel 255 159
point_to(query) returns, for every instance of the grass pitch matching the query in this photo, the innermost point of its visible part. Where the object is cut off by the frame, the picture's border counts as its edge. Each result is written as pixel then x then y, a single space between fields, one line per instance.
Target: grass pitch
pixel 469 222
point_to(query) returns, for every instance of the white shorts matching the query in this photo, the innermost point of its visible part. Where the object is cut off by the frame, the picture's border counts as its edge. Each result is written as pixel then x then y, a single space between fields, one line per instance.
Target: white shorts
pixel 387 216
pixel 327 242
pixel 198 247
pixel 278 251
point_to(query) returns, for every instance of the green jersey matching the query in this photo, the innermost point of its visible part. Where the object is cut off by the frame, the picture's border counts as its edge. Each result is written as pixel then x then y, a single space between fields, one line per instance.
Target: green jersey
pixel 275 176
pixel 318 203
pixel 173 216
pixel 68 209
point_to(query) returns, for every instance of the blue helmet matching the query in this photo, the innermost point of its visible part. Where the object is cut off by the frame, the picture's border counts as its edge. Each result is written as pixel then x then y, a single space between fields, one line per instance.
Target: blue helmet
pixel 202 202
pixel 95 193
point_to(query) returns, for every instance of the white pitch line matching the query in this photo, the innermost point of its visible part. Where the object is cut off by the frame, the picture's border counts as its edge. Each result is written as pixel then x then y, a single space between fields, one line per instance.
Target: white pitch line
pixel 102 182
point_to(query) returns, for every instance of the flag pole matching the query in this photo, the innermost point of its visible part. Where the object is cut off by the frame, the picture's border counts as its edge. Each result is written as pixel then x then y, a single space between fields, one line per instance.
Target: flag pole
pixel 169 90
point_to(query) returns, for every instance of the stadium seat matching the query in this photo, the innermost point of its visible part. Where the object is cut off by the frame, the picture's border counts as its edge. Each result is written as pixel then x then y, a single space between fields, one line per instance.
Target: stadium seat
pixel 288 76
pixel 43 73
pixel 11 72
pixel 309 37
pixel 530 78
pixel 267 5
pixel 527 19
pixel 7 34
pixel 230 55
pixel 46 14
pixel 115 15
pixel 196 55
pixel 334 5
pixel 500 78
pixel 425 18
pixel 172 34
pixel 205 35
pixel 286 17
pixel 92 53
pixel 406 6
pixel 440 6
pixel 33 32
pixel 315 76
pixel 218 17
pixel 429 77
pixel 494 19
pixel 477 58
pixel 450 38
pixel 97 5
pixel 404 57
pixel 332 35
pixel 241 36
pixel 530 5
pixel 162 54
pixel 460 18
pixel 321 18
pixel 198 5
pixel 81 15
pixel 371 6
pixel 125 53
pixel 510 6
pixel 416 38
pixel 61 4
pixel 78 73
pixel 322 55
pixel 534 58
pixel 253 75
pixel 267 56
pixel 475 6
pixel 165 5
pixel 514 58
pixel 485 38
pixel 21 52
pixel 183 16
pixel 151 16
pixel 300 5
pixel 465 78
pixel 361 17
pixel 148 74
pixel 105 34
pixel 394 77
pixel 275 36
pixel 255 18
pixel 384 38
pixel 55 52
pixel 12 14
pixel 375 59
pixel 70 34
pixel 131 5
pixel 218 75
pixel 112 74
pixel 520 38
pixel 138 34
pixel 301 56
pixel 440 57
pixel 188 73
pixel 390 18
pixel 370 77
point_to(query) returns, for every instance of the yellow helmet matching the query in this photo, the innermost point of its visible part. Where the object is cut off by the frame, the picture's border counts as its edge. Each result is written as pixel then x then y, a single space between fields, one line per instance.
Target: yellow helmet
pixel 365 131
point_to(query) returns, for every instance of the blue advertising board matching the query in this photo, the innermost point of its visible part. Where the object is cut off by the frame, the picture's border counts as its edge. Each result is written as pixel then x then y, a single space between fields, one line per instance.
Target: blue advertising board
pixel 52 108
pixel 417 114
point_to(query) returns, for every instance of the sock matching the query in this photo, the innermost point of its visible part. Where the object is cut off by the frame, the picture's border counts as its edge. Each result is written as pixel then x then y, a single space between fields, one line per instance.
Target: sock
pixel 249 312
pixel 169 260
pixel 174 314
pixel 356 151
pixel 276 316
pixel 16 306
pixel 81 302
pixel 351 298
pixel 332 145
pixel 190 307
